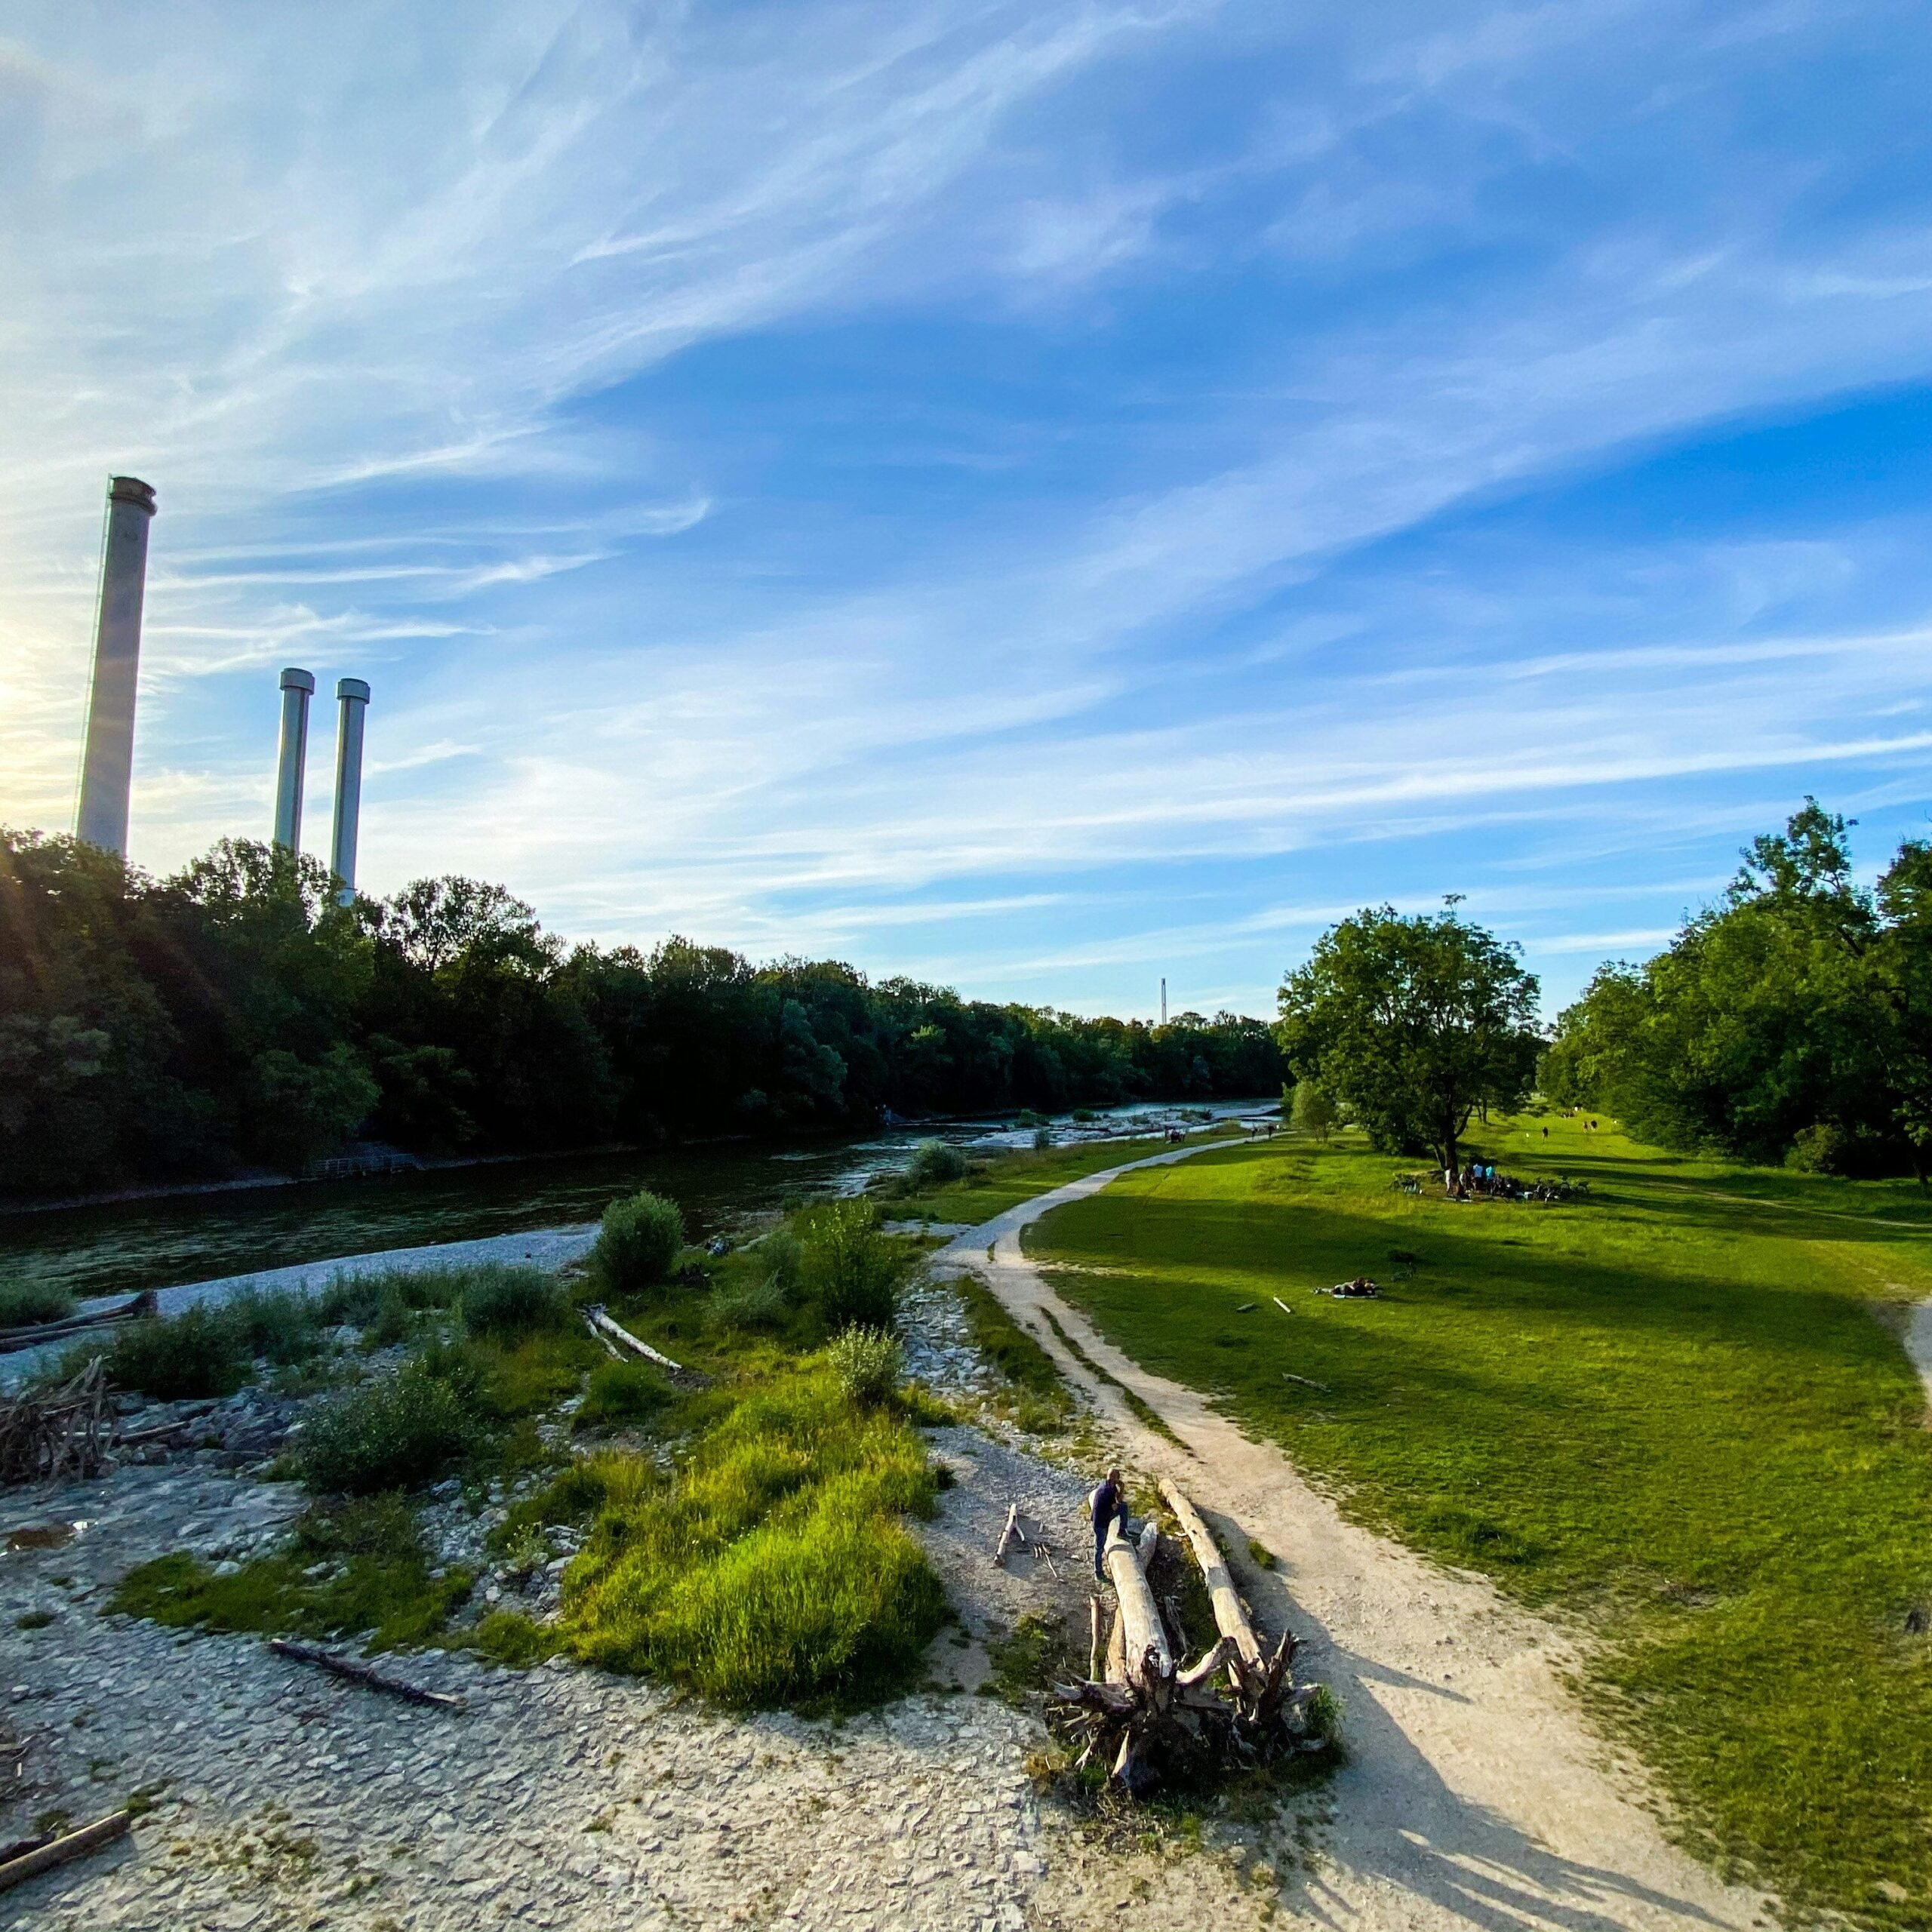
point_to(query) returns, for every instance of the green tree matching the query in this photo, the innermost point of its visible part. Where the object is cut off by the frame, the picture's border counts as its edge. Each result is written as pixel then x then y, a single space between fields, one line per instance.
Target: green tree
pixel 1412 1022
pixel 1313 1110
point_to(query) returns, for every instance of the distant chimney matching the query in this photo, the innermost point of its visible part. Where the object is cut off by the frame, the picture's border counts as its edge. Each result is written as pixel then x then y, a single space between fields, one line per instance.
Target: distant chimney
pixel 352 696
pixel 298 687
pixel 108 768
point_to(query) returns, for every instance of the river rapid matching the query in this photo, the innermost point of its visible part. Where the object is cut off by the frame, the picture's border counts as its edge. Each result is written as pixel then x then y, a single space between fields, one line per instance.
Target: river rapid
pixel 118 1247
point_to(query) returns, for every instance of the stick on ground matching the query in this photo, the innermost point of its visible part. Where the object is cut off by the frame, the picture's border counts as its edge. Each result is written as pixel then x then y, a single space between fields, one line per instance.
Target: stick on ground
pixel 76 1844
pixel 361 1673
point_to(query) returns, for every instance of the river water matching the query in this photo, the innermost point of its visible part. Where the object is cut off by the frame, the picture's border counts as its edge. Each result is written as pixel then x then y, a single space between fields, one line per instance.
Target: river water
pixel 120 1247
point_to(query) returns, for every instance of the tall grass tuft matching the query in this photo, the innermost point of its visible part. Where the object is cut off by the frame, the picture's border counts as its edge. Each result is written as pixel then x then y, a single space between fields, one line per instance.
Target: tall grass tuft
pixel 638 1244
pixel 23 1303
pixel 507 1304
pixel 869 1363
pixel 770 1569
pixel 197 1352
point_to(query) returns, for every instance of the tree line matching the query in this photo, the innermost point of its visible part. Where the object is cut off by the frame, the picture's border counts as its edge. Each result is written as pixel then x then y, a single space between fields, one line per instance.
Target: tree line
pixel 1789 1022
pixel 234 1016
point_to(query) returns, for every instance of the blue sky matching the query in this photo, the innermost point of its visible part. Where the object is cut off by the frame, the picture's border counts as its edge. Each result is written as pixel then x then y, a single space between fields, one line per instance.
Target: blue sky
pixel 1033 496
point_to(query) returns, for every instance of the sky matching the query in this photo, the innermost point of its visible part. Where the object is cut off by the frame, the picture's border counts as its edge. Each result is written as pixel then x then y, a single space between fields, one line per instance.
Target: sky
pixel 1037 497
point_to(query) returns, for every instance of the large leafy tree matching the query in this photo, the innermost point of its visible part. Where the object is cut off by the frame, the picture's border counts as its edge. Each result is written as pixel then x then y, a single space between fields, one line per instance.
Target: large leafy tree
pixel 1412 1023
pixel 1794 1014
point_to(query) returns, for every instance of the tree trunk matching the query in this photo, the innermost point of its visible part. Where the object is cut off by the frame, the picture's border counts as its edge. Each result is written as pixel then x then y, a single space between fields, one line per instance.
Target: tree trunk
pixel 1230 1613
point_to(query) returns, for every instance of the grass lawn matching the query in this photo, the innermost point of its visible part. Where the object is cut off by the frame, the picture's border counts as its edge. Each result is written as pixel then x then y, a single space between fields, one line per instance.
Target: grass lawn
pixel 1006 1179
pixel 1676 1410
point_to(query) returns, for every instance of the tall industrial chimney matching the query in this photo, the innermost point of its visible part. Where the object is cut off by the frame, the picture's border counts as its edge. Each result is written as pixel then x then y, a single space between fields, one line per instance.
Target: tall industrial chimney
pixel 353 694
pixel 298 687
pixel 108 766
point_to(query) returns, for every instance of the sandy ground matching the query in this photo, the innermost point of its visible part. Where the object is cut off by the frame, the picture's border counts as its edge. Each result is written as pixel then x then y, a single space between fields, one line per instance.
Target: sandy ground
pixel 1476 1794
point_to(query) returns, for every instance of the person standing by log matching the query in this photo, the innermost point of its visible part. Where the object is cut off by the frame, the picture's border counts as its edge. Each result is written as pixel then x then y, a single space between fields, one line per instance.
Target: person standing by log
pixel 1107 1506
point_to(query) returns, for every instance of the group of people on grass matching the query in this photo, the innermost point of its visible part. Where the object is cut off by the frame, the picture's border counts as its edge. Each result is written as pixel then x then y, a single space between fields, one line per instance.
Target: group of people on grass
pixel 1483 1180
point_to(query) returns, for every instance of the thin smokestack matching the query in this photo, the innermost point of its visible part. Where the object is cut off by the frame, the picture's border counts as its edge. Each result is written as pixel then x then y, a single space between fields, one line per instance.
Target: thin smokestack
pixel 352 696
pixel 108 768
pixel 298 687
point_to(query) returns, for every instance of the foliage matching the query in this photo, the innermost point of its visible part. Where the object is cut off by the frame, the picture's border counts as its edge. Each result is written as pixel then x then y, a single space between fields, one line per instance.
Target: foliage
pixel 349 1568
pixel 1313 1110
pixel 197 1352
pixel 1412 1023
pixel 1609 1410
pixel 849 1269
pixel 24 1303
pixel 639 1243
pixel 234 1014
pixel 508 1303
pixel 622 1392
pixel 934 1164
pixel 1793 1017
pixel 869 1363
pixel 769 1570
pixel 396 1431
pixel 1043 1139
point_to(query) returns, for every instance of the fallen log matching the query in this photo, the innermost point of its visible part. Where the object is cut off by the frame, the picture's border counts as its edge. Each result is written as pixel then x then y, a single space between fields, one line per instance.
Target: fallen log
pixel 1142 1633
pixel 57 1851
pixel 361 1673
pixel 1147 1719
pixel 1230 1613
pixel 34 1334
pixel 600 1322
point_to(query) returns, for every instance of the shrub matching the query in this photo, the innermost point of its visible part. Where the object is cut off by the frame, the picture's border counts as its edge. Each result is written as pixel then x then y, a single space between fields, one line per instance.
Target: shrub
pixel 782 1255
pixel 1043 1139
pixel 868 1363
pixel 1085 1115
pixel 506 1302
pixel 1028 1118
pixel 1820 1149
pixel 196 1352
pixel 22 1304
pixel 933 1164
pixel 640 1243
pixel 1314 1111
pixel 850 1270
pixel 396 1433
pixel 622 1392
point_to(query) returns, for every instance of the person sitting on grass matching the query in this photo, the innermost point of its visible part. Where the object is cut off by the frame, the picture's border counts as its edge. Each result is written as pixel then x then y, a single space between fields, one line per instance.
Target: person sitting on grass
pixel 1108 1507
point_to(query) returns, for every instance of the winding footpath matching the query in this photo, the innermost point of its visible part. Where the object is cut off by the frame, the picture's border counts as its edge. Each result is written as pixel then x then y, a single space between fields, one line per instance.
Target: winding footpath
pixel 1475 1793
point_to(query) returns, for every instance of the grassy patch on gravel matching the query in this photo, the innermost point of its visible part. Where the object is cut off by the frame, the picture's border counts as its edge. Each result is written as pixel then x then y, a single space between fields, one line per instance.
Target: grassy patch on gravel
pixel 998 1182
pixel 770 1568
pixel 348 1569
pixel 1668 1409
pixel 1034 1397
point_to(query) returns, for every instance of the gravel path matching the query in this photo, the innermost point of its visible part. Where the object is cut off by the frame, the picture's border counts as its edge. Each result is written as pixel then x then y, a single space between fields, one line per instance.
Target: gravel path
pixel 1476 1794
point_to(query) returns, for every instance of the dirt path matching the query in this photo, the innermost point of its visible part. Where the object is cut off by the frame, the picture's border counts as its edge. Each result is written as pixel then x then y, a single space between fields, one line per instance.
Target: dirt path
pixel 1476 1795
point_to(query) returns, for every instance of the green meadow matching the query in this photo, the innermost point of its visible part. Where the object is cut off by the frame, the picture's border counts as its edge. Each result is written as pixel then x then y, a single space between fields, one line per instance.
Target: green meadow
pixel 1677 1412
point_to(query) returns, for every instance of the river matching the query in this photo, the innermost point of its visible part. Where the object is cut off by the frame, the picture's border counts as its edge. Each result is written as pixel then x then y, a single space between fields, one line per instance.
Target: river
pixel 162 1242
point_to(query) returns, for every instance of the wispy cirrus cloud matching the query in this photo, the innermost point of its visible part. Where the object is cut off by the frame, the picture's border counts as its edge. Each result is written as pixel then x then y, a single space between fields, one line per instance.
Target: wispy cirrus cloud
pixel 995 474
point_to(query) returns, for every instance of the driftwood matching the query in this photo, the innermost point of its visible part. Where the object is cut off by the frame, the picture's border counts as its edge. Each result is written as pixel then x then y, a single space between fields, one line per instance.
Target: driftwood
pixel 58 1431
pixel 1306 1381
pixel 34 1334
pixel 603 1327
pixel 1281 1304
pixel 1144 1716
pixel 26 1865
pixel 1012 1536
pixel 1259 1682
pixel 361 1673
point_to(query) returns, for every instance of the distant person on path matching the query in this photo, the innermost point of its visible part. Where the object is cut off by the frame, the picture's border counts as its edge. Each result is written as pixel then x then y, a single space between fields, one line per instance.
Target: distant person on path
pixel 1108 1507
